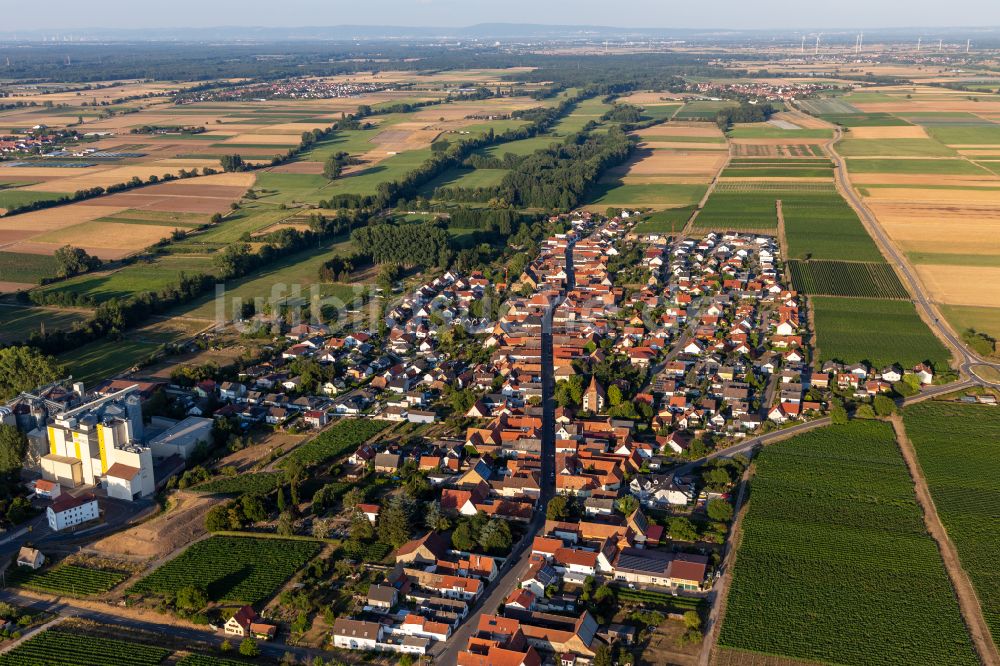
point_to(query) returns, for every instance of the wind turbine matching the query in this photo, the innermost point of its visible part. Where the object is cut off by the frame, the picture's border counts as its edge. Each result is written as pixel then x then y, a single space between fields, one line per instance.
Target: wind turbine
pixel 816 51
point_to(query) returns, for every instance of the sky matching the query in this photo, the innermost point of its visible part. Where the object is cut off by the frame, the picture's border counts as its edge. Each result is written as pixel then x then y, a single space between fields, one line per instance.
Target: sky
pixel 745 14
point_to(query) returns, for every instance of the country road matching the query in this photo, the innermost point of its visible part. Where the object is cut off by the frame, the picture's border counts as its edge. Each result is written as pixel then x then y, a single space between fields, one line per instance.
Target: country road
pixel 967 359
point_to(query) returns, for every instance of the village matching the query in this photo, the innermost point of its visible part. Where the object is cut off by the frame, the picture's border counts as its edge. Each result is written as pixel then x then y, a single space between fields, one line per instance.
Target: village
pixel 558 472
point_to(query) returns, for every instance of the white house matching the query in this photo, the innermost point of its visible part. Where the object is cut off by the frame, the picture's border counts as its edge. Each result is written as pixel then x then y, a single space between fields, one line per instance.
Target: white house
pixel 356 634
pixel 30 557
pixel 68 511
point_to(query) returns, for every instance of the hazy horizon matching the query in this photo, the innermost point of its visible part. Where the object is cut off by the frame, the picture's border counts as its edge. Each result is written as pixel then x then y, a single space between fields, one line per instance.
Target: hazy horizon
pixel 63 15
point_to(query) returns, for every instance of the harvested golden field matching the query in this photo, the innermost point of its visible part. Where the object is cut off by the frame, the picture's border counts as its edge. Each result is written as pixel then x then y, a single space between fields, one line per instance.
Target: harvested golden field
pixel 803 120
pixel 940 229
pixel 904 132
pixel 653 98
pixel 670 163
pixel 60 217
pixel 937 196
pixel 106 239
pixel 962 285
pixel 112 175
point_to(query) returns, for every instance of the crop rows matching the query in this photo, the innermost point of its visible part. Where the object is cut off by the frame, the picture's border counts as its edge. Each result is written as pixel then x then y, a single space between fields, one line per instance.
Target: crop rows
pixel 777 171
pixel 958 447
pixel 260 483
pixel 835 560
pixel 205 660
pixel 824 226
pixel 878 331
pixel 243 570
pixel 67 579
pixel 60 648
pixel 846 278
pixel 337 440
pixel 764 186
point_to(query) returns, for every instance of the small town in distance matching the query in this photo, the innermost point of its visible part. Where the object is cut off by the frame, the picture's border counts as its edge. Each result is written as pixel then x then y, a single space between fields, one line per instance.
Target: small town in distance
pixel 513 345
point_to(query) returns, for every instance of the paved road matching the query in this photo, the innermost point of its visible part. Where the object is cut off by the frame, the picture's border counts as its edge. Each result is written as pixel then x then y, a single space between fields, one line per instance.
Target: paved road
pixel 968 360
pixel 445 653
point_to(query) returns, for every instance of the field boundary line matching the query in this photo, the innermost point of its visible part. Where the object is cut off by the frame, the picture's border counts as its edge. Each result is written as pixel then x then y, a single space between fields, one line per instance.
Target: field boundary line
pixel 968 601
pixel 717 611
pixel 689 226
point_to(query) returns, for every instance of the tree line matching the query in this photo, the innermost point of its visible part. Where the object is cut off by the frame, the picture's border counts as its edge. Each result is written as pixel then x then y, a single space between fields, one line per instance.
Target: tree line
pixel 112 317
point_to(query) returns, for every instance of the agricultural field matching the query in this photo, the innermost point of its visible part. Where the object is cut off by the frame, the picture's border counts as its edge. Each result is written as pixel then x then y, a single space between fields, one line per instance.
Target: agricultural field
pixel 726 209
pixel 881 332
pixel 69 579
pixel 702 109
pixel 936 197
pixel 958 448
pixel 260 483
pixel 18 323
pixel 823 226
pixel 893 148
pixel 768 131
pixel 242 570
pixel 668 220
pixel 61 648
pixel 105 358
pixel 342 437
pixel 833 526
pixel 12 198
pixel 846 278
pixel 638 195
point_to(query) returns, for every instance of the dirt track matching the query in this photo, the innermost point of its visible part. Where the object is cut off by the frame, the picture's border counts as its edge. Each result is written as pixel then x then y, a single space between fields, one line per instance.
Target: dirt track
pixel 968 603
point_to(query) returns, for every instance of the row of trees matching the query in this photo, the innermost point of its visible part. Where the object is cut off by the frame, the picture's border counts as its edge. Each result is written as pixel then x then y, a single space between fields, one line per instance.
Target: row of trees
pixel 744 113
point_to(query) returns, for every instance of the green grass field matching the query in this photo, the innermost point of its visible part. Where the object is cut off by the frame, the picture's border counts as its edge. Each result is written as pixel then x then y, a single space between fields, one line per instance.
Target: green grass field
pixel 522 147
pixel 958 447
pixel 956 135
pixel 135 278
pixel 17 323
pixel 279 280
pixel 893 148
pixel 949 167
pixel 766 131
pixel 835 559
pixel 14 198
pixel 864 119
pixel 982 319
pixel 104 358
pixel 878 331
pixel 465 178
pixel 645 195
pixel 702 109
pixel 666 137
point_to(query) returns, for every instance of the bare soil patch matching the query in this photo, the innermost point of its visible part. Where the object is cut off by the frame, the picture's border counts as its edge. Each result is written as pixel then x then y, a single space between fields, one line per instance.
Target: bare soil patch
pixel 181 524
